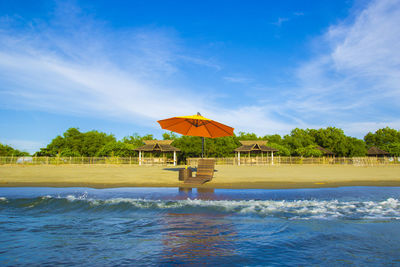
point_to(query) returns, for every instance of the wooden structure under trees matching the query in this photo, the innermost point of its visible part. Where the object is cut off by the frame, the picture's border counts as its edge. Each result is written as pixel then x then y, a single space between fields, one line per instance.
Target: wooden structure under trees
pixel 255 146
pixel 377 152
pixel 325 152
pixel 157 147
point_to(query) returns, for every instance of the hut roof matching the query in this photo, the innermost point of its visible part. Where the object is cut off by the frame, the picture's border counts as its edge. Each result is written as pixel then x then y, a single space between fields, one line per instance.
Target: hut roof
pixel 376 151
pixel 250 143
pixel 325 151
pixel 158 145
pixel 160 142
pixel 250 146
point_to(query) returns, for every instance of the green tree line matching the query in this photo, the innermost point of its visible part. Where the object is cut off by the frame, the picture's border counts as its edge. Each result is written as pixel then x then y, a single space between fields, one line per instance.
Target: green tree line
pixel 7 151
pixel 300 142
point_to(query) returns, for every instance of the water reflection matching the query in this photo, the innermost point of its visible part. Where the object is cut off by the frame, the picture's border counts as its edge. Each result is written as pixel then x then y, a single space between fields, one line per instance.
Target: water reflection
pixel 197 237
pixel 185 190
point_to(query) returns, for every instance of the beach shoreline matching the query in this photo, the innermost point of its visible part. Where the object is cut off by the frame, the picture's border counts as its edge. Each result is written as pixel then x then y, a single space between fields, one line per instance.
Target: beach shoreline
pixel 226 177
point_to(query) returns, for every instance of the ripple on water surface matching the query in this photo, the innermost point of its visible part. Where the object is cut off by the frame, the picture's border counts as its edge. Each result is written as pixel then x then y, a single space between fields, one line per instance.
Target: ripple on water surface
pixel 75 226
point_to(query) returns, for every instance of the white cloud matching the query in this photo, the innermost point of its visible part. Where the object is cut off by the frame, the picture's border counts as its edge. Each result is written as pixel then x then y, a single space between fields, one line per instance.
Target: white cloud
pixel 256 119
pixel 360 129
pixel 356 81
pixel 70 68
pixel 76 65
pixel 237 79
pixel 86 69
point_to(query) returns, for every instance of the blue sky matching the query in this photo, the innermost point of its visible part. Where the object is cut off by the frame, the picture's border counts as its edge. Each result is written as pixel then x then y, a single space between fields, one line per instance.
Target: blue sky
pixel 258 66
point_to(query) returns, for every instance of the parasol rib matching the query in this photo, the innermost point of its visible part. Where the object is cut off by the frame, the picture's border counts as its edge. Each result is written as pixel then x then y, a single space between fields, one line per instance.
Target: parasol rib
pixel 207 130
pixel 188 128
pixel 222 128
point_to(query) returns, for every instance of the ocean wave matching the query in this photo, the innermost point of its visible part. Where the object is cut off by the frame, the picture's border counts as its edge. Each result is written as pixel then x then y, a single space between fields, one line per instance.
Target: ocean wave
pixel 298 209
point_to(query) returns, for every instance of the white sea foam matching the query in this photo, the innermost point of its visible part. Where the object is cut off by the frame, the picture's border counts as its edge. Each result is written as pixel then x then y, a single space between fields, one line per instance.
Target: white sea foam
pixel 73 198
pixel 387 209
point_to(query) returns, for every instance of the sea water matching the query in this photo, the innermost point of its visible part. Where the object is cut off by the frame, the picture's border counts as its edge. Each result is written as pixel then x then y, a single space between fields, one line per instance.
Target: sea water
pixel 356 226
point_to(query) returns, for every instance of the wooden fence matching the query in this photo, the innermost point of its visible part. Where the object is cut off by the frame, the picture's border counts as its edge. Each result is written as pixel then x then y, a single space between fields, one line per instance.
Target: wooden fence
pixel 277 160
pixel 245 161
pixel 68 160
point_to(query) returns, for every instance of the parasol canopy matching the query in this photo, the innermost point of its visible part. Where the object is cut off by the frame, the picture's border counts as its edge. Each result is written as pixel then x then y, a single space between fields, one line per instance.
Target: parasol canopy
pixel 196 125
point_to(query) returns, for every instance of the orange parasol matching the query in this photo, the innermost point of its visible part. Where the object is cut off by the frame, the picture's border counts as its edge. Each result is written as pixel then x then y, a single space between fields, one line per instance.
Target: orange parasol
pixel 196 125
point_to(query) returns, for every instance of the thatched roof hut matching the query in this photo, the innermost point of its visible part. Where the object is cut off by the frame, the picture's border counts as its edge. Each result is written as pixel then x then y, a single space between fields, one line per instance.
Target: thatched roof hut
pixel 158 146
pixel 255 146
pixel 325 152
pixel 163 146
pixel 377 152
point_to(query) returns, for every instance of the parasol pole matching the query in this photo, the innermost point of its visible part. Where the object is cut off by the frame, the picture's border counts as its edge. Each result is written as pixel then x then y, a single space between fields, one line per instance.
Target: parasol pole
pixel 202 141
pixel 202 147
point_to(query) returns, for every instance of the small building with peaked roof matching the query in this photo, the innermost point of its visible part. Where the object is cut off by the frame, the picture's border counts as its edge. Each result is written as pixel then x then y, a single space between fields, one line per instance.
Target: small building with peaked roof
pixel 255 146
pixel 377 152
pixel 325 152
pixel 157 146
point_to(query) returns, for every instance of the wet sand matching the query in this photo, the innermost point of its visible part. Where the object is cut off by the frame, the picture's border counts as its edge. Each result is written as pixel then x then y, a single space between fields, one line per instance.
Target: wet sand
pixel 237 177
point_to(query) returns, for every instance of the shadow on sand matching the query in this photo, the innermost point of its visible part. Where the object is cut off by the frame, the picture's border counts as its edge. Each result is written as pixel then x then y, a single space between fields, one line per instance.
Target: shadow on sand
pixel 177 169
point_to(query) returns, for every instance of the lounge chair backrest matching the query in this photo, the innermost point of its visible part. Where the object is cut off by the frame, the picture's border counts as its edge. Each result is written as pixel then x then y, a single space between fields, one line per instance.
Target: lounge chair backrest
pixel 205 167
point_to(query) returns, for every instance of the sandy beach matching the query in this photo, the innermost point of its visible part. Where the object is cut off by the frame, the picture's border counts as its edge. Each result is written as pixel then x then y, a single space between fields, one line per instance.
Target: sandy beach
pixel 238 177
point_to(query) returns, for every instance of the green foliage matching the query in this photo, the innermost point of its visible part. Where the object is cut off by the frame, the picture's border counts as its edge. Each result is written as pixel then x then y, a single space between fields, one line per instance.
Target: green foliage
pixel 190 146
pixel 275 138
pixel 283 150
pixel 75 143
pixel 137 140
pixel 221 147
pixel 382 137
pixel 117 149
pixel 308 151
pixel 69 153
pixel 386 138
pixel 300 142
pixel 393 149
pixel 170 136
pixel 335 140
pixel 331 138
pixel 7 151
pixel 356 147
pixel 248 136
pixel 298 138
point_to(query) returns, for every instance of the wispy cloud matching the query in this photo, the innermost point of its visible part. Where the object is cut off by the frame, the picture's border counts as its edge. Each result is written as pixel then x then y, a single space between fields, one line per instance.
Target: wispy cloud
pixel 357 78
pixel 77 65
pixel 237 79
pixel 82 67
pixel 280 21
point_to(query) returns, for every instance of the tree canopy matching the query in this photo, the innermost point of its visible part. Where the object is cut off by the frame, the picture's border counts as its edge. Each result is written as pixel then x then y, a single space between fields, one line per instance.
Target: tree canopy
pixel 300 142
pixel 7 151
pixel 386 138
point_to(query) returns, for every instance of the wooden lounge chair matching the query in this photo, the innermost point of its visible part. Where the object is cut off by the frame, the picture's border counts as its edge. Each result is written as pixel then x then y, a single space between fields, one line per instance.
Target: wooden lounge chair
pixel 205 172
